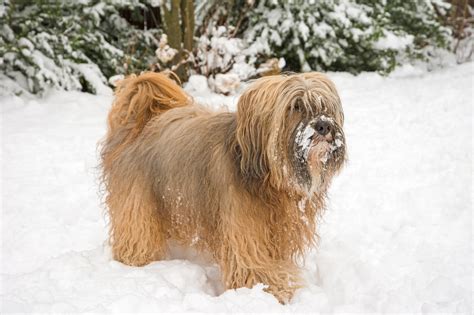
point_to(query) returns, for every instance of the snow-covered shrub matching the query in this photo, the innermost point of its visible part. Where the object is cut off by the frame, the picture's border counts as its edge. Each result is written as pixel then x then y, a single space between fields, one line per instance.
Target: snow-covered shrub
pixel 344 35
pixel 71 45
pixel 464 47
pixel 80 44
pixel 165 53
pixel 226 60
pixel 461 21
pixel 221 58
pixel 217 51
pixel 417 20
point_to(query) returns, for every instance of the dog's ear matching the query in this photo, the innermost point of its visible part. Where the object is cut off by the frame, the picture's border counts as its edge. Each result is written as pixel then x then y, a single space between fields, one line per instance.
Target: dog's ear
pixel 252 138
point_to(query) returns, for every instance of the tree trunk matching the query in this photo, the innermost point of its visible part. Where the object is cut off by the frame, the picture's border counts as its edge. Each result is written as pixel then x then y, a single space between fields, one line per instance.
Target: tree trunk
pixel 179 26
pixel 187 13
pixel 172 23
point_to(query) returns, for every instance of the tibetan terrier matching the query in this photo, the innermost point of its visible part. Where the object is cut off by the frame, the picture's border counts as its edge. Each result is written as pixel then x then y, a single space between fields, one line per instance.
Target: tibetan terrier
pixel 247 186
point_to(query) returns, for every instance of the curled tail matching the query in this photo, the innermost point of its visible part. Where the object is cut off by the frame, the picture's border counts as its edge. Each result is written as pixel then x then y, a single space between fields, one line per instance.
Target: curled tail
pixel 137 100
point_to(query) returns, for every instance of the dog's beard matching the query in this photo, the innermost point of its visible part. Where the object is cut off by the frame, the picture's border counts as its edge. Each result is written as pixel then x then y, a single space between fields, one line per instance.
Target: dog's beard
pixel 315 157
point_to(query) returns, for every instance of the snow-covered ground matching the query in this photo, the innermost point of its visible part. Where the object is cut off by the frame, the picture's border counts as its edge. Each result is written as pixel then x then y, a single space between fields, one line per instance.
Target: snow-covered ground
pixel 396 237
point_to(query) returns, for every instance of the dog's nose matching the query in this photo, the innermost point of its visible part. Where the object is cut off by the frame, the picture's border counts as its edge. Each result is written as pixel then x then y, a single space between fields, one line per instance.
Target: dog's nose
pixel 323 127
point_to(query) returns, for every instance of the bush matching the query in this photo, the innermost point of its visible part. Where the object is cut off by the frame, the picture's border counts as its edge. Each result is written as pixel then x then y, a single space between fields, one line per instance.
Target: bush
pixel 72 45
pixel 344 35
pixel 80 44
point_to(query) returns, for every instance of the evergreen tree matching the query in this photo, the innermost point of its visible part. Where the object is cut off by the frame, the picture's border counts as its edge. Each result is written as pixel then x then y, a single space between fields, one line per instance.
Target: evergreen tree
pixel 344 35
pixel 73 45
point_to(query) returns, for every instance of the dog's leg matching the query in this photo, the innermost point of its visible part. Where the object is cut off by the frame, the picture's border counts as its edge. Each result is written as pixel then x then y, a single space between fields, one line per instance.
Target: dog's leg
pixel 136 233
pixel 248 257
pixel 245 264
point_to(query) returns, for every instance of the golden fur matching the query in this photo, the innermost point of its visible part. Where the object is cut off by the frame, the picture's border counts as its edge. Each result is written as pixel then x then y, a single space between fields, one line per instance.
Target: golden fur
pixel 238 185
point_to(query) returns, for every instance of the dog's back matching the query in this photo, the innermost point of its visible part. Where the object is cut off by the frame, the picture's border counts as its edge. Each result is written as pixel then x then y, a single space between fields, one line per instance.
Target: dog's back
pixel 188 151
pixel 172 151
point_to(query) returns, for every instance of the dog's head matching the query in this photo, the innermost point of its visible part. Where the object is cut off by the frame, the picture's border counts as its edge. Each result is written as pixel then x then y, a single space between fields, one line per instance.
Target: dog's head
pixel 290 131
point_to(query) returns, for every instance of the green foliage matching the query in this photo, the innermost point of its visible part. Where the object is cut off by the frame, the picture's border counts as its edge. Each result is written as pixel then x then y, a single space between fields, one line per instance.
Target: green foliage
pixel 77 45
pixel 417 18
pixel 345 35
pixel 72 45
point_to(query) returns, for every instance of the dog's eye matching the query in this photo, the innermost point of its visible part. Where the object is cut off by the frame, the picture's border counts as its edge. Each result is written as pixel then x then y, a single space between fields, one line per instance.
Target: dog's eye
pixel 298 107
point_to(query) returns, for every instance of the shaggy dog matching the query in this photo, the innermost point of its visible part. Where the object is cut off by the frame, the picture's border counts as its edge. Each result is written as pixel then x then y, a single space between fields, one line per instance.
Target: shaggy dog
pixel 246 186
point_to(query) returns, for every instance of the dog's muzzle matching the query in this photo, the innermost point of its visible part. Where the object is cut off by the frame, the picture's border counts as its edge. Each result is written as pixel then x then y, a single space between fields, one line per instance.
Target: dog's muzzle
pixel 328 140
pixel 322 127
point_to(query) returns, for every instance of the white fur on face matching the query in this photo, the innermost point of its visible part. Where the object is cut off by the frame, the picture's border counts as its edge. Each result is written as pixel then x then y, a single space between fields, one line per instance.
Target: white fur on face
pixel 308 142
pixel 303 140
pixel 315 152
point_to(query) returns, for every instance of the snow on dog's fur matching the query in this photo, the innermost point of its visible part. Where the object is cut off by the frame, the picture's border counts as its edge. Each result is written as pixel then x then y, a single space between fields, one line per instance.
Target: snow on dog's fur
pixel 247 186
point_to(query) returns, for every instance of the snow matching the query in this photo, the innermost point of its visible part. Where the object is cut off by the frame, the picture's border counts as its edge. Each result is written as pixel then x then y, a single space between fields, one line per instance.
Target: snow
pixel 393 41
pixel 303 29
pixel 164 52
pixel 24 42
pixel 13 87
pixel 198 87
pixel 396 237
pixel 225 83
pixel 223 59
pixel 115 79
pixel 303 138
pixel 93 76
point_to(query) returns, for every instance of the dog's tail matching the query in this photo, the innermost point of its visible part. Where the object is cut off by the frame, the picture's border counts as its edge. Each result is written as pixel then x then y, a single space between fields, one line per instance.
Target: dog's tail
pixel 140 98
pixel 137 100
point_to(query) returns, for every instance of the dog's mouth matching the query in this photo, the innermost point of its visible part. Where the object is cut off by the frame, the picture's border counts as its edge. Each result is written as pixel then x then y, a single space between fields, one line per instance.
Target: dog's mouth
pixel 326 149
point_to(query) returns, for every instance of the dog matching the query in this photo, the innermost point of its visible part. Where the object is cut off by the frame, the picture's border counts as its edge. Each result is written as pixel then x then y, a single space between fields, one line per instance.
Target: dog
pixel 248 186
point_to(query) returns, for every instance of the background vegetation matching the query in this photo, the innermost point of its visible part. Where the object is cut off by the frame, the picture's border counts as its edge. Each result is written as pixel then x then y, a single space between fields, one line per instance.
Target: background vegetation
pixel 80 45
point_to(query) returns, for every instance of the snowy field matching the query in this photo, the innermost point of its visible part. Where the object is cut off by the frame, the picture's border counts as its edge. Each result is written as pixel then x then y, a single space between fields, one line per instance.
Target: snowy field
pixel 396 237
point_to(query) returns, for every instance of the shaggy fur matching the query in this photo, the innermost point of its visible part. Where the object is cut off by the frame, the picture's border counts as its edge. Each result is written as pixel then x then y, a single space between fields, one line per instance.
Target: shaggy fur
pixel 246 186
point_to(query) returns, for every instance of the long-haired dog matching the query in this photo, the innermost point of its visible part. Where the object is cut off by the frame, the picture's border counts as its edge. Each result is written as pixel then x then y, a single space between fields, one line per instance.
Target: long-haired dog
pixel 246 186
